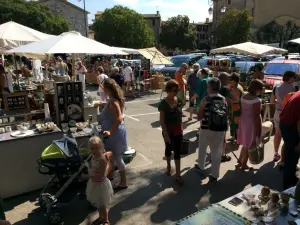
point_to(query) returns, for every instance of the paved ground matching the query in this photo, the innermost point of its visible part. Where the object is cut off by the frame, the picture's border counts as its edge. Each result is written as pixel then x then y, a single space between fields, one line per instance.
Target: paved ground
pixel 154 198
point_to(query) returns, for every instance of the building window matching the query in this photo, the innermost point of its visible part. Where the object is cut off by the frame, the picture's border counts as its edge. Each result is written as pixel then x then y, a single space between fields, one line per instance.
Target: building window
pixel 229 2
pixel 252 11
pixel 153 22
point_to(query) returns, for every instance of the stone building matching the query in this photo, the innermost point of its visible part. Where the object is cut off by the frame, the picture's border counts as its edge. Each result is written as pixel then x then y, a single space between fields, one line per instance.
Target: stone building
pixel 204 30
pixel 154 22
pixel 281 11
pixel 230 4
pixel 76 16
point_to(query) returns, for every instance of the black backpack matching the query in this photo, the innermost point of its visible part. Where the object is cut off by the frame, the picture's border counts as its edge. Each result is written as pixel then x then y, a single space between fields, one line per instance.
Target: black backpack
pixel 218 113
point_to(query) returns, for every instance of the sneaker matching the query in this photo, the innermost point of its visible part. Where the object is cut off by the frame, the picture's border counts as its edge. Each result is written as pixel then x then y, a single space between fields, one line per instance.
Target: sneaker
pixel 276 157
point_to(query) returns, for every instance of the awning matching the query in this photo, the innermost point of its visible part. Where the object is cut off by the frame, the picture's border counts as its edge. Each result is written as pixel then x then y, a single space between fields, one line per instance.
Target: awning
pixel 13 35
pixel 155 56
pixel 296 41
pixel 249 48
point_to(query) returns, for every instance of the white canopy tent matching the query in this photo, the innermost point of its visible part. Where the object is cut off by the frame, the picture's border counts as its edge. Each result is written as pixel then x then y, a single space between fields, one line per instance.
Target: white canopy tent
pixel 127 50
pixel 155 56
pixel 249 48
pixel 70 42
pixel 296 41
pixel 13 35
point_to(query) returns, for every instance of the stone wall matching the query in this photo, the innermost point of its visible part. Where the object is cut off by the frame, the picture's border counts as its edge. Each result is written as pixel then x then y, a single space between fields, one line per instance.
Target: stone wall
pixel 74 15
pixel 282 11
pixel 155 24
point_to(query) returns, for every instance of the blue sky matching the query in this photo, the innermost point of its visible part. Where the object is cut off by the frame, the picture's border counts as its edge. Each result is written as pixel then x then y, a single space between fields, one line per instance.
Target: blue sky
pixel 195 9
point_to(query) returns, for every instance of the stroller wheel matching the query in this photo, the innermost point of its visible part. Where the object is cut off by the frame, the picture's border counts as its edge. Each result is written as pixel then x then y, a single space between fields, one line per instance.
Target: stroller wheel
pixel 44 200
pixel 54 217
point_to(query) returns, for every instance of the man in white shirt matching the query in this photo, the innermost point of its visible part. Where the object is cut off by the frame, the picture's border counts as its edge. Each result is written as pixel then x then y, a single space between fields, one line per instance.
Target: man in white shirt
pixel 80 74
pixel 100 79
pixel 129 78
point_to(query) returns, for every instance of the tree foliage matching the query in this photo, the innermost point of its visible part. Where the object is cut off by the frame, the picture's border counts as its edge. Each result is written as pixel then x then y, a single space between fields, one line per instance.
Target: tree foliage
pixel 275 33
pixel 177 32
pixel 121 26
pixel 32 14
pixel 234 27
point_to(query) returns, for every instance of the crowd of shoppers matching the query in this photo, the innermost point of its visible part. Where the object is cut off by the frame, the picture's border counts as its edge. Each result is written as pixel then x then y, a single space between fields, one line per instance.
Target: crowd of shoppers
pixel 220 101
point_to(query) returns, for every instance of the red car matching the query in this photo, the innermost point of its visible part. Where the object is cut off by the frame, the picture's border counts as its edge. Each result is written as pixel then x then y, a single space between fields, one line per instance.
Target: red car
pixel 275 69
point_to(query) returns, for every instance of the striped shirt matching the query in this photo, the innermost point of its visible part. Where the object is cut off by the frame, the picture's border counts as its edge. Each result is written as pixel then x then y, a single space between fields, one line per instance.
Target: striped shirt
pixel 205 120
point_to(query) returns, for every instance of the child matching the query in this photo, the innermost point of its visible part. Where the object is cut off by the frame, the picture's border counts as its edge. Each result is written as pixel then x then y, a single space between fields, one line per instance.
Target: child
pixel 99 190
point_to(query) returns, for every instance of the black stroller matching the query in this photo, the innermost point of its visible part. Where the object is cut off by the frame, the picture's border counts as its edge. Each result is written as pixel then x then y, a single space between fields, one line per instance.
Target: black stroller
pixel 65 162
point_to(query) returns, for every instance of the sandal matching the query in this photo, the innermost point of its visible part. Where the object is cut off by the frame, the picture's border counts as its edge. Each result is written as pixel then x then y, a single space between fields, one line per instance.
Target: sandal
pixel 179 180
pixel 168 172
pixel 225 158
pixel 119 188
pixel 243 168
pixel 238 166
pixel 97 222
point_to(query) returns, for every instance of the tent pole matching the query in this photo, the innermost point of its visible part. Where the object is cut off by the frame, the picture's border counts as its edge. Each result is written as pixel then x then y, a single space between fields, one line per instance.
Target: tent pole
pixel 16 67
pixel 73 67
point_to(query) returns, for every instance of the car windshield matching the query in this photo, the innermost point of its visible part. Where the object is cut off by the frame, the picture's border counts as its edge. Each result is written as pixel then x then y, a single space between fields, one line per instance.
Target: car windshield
pixel 280 68
pixel 178 61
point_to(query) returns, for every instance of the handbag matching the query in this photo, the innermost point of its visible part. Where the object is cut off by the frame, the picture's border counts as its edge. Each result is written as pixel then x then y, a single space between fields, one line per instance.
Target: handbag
pixel 257 153
pixel 185 148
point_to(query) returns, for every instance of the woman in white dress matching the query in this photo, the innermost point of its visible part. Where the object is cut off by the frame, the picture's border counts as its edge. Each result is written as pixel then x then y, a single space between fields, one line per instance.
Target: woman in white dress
pixel 100 79
pixel 80 74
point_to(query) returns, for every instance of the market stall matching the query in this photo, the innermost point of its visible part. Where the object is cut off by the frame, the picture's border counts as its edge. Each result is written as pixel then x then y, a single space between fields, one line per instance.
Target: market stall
pixel 26 126
pixel 249 48
pixel 13 35
pixel 256 205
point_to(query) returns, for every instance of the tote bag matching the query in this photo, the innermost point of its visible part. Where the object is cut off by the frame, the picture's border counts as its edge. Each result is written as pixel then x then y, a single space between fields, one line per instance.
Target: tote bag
pixel 257 153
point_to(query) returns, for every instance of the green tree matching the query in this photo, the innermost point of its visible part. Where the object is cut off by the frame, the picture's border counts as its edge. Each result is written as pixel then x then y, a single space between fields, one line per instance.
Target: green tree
pixel 275 33
pixel 177 32
pixel 234 28
pixel 121 26
pixel 32 14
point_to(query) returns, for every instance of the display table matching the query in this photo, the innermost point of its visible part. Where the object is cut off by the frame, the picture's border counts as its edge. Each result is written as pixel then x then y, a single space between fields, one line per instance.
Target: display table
pixel 224 213
pixel 18 157
pixel 244 210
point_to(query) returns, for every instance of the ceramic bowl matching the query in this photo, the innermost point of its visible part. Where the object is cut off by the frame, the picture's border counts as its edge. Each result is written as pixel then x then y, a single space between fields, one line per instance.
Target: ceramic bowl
pixel 52 127
pixel 64 125
pixel 73 129
pixel 23 129
pixel 72 123
pixel 65 129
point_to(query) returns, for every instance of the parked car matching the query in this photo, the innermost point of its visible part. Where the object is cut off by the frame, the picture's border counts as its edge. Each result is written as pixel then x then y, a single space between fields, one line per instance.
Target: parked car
pixel 275 69
pixel 178 60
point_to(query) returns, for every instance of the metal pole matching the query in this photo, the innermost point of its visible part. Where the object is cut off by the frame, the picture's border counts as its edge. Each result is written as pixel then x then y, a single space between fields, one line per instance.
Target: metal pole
pixel 85 20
